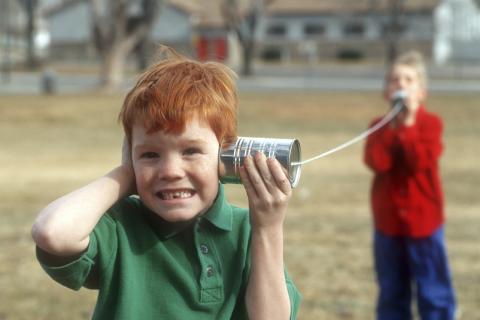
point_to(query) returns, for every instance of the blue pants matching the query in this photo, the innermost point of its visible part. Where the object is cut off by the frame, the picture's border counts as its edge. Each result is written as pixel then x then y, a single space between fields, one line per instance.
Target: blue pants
pixel 404 264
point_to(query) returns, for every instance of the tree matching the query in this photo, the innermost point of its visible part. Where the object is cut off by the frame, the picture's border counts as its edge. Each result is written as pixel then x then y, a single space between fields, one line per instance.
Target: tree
pixel 120 26
pixel 395 29
pixel 244 24
pixel 30 7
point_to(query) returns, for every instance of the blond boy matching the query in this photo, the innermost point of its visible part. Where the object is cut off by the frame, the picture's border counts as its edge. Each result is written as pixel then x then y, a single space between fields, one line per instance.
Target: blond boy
pixel 407 203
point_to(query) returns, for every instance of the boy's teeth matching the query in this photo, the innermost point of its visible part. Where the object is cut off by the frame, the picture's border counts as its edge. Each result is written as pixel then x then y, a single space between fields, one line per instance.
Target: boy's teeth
pixel 175 195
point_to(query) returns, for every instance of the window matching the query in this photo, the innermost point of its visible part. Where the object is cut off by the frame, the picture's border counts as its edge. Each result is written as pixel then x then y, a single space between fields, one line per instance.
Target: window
pixel 314 29
pixel 389 29
pixel 353 29
pixel 278 30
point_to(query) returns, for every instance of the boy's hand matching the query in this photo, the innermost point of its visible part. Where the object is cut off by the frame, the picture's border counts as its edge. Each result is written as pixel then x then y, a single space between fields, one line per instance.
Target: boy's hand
pixel 127 165
pixel 268 190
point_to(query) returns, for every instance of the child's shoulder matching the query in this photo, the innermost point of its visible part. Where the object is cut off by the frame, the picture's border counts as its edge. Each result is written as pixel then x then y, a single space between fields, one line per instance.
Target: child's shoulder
pixel 430 119
pixel 240 216
pixel 239 212
pixel 125 207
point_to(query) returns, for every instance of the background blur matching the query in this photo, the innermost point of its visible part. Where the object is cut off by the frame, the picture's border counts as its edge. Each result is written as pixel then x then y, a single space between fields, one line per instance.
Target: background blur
pixel 308 69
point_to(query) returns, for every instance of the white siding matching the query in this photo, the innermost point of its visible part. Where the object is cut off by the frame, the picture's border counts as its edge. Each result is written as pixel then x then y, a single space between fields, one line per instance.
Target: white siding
pixel 419 27
pixel 172 25
pixel 71 25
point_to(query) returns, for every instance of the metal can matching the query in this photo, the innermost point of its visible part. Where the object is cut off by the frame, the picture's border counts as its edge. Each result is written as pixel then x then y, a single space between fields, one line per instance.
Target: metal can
pixel 286 151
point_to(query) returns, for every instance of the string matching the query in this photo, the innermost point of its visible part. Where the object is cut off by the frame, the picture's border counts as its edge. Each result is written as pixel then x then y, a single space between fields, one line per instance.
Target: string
pixel 389 116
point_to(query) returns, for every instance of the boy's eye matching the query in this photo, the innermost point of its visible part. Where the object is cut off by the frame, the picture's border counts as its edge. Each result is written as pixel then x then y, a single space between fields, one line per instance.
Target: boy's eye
pixel 191 151
pixel 149 155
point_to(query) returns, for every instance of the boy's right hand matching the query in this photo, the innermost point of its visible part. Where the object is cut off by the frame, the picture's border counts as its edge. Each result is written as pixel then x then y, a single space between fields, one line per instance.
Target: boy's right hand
pixel 268 190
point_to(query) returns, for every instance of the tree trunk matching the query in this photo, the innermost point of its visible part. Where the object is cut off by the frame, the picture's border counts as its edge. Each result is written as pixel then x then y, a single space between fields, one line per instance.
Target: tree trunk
pixel 244 25
pixel 113 65
pixel 117 32
pixel 395 29
pixel 247 59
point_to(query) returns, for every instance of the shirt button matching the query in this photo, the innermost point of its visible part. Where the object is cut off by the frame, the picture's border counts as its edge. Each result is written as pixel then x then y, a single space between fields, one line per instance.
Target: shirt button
pixel 209 271
pixel 204 248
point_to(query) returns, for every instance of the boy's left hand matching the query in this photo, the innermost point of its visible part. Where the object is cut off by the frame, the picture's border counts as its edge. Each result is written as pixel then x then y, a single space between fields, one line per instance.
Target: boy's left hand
pixel 268 190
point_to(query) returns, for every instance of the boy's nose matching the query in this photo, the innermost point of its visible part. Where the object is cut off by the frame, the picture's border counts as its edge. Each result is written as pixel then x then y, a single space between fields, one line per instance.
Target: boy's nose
pixel 402 84
pixel 171 168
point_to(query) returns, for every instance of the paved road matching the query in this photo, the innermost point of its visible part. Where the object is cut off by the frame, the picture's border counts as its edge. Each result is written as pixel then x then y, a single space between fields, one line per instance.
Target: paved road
pixel 271 78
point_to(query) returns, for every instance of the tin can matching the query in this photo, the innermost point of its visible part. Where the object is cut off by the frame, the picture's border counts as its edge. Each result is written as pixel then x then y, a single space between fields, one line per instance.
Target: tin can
pixel 286 151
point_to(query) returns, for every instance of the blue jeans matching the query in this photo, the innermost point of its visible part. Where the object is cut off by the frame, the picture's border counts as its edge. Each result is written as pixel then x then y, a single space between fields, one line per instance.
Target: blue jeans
pixel 405 264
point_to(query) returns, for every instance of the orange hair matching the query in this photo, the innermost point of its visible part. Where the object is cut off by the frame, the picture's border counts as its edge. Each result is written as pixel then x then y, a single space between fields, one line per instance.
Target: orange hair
pixel 172 92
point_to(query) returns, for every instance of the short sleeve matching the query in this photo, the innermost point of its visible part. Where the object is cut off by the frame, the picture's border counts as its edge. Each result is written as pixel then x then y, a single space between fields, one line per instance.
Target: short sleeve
pixel 74 274
pixel 294 296
pixel 97 257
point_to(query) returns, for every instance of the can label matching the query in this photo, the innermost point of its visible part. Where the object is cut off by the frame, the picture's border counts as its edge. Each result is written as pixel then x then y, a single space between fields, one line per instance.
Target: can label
pixel 286 151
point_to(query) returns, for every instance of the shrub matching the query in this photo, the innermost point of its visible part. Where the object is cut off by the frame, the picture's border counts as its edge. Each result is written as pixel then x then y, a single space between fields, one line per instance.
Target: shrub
pixel 271 54
pixel 349 54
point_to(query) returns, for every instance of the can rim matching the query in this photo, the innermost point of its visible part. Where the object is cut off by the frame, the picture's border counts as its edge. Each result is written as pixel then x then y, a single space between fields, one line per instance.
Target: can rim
pixel 295 157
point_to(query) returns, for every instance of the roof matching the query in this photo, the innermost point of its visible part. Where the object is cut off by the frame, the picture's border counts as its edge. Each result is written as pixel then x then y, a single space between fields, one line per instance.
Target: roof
pixel 309 7
pixel 207 14
pixel 203 13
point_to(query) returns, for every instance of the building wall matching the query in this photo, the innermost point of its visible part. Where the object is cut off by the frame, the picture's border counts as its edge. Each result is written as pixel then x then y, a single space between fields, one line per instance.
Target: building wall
pixel 72 25
pixel 457 34
pixel 71 37
pixel 327 36
pixel 172 25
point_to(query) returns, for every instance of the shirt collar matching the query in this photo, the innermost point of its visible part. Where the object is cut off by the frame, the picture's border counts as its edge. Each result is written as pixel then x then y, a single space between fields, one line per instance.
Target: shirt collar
pixel 219 214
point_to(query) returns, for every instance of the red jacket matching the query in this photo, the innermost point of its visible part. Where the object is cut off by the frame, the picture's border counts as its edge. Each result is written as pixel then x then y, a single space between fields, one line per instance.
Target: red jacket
pixel 406 195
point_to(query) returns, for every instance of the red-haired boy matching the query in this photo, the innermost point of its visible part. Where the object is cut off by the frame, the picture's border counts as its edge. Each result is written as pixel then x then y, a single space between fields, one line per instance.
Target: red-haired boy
pixel 179 250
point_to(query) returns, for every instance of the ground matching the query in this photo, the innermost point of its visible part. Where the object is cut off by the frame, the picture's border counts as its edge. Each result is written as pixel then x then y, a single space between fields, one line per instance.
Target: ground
pixel 51 145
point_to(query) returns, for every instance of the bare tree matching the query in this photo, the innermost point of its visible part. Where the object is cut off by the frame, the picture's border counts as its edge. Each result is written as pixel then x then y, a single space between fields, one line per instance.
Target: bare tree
pixel 119 26
pixel 244 24
pixel 30 7
pixel 395 28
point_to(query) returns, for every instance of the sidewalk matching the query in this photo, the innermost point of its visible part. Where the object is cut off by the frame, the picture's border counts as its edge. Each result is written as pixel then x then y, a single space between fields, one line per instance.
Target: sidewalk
pixel 455 78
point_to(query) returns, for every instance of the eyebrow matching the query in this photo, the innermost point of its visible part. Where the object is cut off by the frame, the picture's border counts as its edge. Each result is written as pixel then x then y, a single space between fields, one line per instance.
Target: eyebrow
pixel 194 141
pixel 181 142
pixel 143 146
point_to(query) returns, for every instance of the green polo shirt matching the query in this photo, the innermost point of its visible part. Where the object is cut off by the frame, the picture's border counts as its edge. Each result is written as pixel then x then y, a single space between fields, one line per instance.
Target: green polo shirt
pixel 147 268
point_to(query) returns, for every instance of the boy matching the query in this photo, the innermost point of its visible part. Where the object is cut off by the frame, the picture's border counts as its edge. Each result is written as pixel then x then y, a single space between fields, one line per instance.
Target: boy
pixel 407 202
pixel 179 250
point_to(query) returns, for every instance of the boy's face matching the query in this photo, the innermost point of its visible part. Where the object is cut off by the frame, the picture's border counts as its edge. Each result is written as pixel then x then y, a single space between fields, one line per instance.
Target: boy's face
pixel 406 78
pixel 176 175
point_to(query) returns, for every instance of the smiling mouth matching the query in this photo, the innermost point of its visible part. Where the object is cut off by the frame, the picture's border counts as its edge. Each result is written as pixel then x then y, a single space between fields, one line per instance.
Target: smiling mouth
pixel 177 194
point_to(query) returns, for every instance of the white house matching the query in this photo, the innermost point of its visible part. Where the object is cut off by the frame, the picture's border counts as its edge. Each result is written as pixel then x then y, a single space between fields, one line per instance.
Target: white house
pixel 192 27
pixel 457 36
pixel 70 26
pixel 326 29
pixel 292 30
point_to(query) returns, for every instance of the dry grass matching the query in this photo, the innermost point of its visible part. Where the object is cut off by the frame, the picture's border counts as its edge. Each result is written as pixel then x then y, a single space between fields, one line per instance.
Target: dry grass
pixel 51 145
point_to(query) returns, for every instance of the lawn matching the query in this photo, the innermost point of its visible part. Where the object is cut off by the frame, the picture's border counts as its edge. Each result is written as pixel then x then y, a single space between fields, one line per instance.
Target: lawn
pixel 51 145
